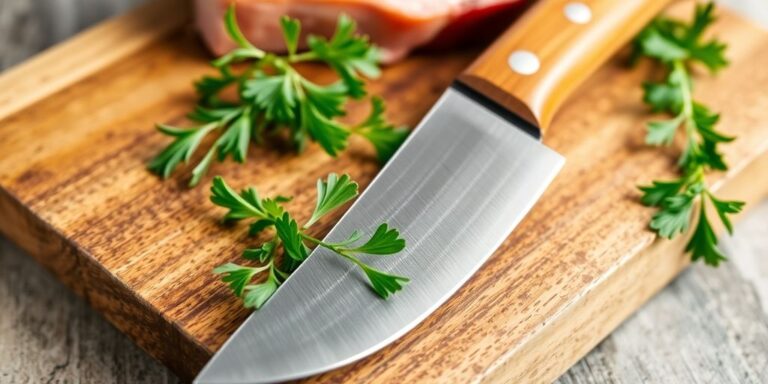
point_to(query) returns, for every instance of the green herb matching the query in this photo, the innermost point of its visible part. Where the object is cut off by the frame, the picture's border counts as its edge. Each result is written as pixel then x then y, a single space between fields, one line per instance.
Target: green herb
pixel 295 241
pixel 679 46
pixel 273 97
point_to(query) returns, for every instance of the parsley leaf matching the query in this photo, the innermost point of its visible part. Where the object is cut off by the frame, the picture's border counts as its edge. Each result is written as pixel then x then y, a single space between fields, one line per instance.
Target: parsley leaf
pixel 348 54
pixel 670 41
pixel 662 132
pixel 710 53
pixel 385 137
pixel 657 45
pixel 233 29
pixel 382 283
pixel 294 240
pixel 291 31
pixel 654 195
pixel 289 233
pixel 241 206
pixel 674 216
pixel 275 95
pixel 663 97
pixel 725 208
pixel 332 136
pixel 182 148
pixel 236 276
pixel 678 45
pixel 209 87
pixel 385 241
pixel 272 96
pixel 703 243
pixel 331 194
pixel 262 253
pixel 257 295
pixel 236 139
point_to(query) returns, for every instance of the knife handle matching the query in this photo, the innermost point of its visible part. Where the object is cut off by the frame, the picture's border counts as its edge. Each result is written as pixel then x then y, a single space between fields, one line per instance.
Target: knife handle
pixel 533 67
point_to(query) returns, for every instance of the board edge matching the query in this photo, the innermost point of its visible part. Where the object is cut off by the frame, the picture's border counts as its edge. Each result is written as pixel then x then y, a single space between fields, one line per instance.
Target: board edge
pixel 88 52
pixel 665 259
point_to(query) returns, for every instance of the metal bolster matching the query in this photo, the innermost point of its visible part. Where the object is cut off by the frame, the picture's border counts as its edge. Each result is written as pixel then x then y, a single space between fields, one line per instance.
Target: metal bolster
pixel 496 108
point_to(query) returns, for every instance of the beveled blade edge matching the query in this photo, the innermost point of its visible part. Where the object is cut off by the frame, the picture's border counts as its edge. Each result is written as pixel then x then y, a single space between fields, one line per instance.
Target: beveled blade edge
pixel 456 188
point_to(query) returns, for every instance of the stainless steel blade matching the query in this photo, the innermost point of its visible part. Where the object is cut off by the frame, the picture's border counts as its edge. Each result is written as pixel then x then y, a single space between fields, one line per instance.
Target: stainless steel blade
pixel 456 189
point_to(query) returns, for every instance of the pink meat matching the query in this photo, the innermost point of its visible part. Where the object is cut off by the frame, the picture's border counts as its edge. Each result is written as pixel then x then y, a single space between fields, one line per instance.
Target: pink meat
pixel 396 26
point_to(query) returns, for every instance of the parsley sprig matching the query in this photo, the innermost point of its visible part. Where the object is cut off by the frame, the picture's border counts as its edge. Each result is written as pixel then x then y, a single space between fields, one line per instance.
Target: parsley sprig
pixel 295 240
pixel 679 46
pixel 273 98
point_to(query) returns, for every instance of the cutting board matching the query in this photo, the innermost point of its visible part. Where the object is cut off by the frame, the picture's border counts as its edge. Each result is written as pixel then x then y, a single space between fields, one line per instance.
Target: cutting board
pixel 76 130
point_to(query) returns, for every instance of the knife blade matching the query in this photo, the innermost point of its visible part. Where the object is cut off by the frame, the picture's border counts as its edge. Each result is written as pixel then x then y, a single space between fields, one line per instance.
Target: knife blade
pixel 458 186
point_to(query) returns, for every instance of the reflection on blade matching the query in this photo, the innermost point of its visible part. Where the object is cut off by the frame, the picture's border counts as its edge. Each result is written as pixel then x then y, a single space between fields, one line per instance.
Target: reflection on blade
pixel 456 189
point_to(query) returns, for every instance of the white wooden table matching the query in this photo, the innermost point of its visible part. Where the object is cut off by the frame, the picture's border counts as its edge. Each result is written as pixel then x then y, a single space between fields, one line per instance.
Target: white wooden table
pixel 708 326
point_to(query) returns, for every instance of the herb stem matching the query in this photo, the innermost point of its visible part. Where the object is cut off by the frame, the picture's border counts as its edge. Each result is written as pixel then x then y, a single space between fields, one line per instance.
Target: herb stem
pixel 319 242
pixel 341 252
pixel 302 57
pixel 678 67
pixel 678 45
pixel 685 87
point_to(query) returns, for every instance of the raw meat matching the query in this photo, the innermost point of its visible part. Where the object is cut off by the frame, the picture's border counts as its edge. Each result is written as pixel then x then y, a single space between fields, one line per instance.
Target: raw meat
pixel 396 26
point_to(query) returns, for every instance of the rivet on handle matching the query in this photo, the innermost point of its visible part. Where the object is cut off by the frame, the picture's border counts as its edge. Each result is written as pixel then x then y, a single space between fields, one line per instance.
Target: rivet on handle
pixel 524 62
pixel 578 12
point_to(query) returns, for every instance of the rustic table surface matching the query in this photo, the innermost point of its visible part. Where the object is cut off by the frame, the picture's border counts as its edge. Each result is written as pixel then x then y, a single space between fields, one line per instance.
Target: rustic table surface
pixel 709 325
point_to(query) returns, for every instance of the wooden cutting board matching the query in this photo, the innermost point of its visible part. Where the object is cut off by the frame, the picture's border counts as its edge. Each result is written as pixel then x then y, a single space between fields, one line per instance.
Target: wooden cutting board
pixel 76 130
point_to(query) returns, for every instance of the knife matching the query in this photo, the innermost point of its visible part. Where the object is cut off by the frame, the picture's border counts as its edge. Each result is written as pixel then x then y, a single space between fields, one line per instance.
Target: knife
pixel 466 176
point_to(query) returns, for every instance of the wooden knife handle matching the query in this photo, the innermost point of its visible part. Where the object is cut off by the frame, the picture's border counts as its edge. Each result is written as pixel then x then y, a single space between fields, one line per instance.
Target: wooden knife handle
pixel 551 49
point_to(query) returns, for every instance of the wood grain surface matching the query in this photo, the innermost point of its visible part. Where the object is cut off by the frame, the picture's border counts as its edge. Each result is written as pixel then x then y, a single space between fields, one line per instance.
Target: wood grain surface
pixel 73 196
